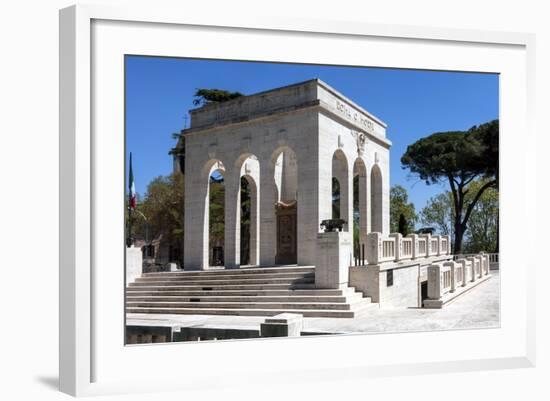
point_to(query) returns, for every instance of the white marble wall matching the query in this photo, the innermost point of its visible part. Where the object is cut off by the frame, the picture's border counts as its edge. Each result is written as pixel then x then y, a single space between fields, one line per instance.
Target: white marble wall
pixel 310 121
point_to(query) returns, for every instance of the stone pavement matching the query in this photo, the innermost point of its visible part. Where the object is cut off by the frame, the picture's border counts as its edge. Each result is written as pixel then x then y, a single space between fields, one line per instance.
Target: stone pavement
pixel 478 308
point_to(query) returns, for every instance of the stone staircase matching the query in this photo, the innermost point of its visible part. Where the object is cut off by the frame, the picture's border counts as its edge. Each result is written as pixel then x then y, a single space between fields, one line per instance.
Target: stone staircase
pixel 265 291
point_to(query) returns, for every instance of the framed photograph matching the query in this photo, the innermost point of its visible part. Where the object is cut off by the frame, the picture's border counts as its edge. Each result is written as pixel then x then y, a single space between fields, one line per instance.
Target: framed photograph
pixel 294 200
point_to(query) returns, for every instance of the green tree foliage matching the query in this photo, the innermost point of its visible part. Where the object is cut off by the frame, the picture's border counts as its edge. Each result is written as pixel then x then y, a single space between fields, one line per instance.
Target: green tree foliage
pixel 163 208
pixel 400 206
pixel 245 221
pixel 403 225
pixel 438 213
pixel 482 229
pixel 204 96
pixel 458 158
pixel 216 227
pixel 482 233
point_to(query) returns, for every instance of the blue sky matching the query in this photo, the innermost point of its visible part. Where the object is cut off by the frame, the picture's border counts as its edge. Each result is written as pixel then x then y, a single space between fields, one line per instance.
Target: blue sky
pixel 414 104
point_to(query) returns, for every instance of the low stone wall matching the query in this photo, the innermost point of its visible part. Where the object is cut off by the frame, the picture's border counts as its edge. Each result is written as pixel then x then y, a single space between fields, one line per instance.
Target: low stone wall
pixel 282 325
pixel 393 284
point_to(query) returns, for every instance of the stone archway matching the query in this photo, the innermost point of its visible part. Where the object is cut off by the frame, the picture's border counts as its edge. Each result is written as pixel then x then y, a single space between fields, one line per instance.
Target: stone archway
pixel 286 206
pixel 250 171
pixel 340 172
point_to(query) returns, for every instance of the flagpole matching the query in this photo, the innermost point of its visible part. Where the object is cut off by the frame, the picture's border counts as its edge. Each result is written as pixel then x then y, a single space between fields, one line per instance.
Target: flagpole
pixel 129 239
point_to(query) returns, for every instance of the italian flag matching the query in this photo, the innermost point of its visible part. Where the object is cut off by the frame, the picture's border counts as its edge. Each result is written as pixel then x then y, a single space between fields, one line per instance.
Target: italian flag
pixel 132 186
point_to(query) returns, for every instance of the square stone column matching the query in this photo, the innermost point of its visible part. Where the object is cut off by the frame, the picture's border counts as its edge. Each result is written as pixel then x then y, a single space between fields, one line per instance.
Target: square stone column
pixel 462 262
pixel 232 221
pixel 453 266
pixel 268 223
pixel 334 254
pixel 134 264
pixel 448 250
pixel 398 245
pixel 414 238
pixel 364 211
pixel 473 261
pixel 481 262
pixel 428 238
pixel 196 204
pixel 435 286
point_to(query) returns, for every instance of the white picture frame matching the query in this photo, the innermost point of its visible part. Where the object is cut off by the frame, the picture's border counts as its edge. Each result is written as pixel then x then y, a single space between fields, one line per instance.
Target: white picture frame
pixel 94 361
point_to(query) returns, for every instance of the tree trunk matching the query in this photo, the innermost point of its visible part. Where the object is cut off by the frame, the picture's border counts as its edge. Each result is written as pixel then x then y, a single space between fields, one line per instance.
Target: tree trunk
pixel 459 234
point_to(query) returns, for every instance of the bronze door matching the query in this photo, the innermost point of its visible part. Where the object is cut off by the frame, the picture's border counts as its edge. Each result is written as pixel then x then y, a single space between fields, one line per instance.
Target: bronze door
pixel 286 234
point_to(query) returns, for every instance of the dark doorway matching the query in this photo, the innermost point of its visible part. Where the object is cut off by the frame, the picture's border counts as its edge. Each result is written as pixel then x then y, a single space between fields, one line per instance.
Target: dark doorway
pixel 423 292
pixel 286 233
pixel 245 221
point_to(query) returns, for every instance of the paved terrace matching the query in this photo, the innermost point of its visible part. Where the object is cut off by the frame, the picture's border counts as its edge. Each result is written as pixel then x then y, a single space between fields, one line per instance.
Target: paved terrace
pixel 477 308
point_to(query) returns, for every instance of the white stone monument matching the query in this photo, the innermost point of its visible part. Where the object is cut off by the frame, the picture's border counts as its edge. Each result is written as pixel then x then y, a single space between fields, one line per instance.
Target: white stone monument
pixel 289 143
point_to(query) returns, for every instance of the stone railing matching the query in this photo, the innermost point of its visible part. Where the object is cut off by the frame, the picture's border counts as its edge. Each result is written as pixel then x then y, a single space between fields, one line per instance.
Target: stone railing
pixel 395 247
pixel 449 276
pixel 493 259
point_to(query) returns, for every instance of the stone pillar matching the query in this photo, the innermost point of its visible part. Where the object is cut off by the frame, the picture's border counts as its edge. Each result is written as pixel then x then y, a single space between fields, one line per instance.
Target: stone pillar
pixel 448 244
pixel 472 260
pixel 439 245
pixel 480 260
pixel 428 238
pixel 268 223
pixel 374 248
pixel 363 210
pixel 346 199
pixel 398 245
pixel 414 238
pixel 308 208
pixel 487 264
pixel 453 266
pixel 462 262
pixel 196 204
pixel 232 241
pixel 334 253
pixel 134 264
pixel 254 226
pixel 434 281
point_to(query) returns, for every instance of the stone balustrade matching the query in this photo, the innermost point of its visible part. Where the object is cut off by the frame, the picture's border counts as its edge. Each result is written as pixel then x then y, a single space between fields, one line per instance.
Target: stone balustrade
pixel 493 259
pixel 448 277
pixel 395 247
pixel 439 279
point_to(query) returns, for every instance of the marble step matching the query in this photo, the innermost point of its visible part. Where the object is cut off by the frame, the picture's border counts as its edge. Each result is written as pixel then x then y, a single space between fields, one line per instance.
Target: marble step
pixel 313 299
pixel 240 281
pixel 255 312
pixel 207 287
pixel 241 271
pixel 233 277
pixel 243 305
pixel 163 291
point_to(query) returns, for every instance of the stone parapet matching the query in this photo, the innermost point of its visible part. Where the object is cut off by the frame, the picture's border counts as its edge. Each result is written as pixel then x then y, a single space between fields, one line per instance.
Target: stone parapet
pixel 334 253
pixel 395 248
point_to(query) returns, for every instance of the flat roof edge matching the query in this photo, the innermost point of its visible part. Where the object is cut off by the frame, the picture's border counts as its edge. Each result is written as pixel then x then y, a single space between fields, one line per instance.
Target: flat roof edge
pixel 211 106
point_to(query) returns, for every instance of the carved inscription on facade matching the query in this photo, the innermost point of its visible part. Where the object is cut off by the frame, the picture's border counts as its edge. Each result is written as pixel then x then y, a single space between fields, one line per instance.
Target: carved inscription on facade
pixel 355 116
